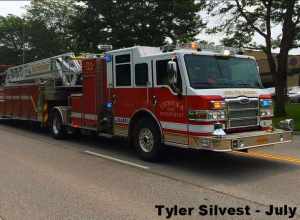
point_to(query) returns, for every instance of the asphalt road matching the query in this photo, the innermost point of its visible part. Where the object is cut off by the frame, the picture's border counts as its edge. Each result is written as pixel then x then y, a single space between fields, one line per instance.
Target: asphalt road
pixel 90 178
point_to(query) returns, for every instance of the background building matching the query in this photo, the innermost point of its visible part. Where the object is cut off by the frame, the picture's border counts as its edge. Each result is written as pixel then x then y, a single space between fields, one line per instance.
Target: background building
pixel 268 77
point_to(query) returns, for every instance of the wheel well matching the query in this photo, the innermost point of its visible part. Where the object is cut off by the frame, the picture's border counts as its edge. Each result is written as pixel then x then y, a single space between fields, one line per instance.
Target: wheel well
pixel 137 117
pixel 54 111
pixel 62 111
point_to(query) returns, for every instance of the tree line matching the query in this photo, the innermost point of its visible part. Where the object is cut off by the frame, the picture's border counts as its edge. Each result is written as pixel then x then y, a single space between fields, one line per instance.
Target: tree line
pixel 51 27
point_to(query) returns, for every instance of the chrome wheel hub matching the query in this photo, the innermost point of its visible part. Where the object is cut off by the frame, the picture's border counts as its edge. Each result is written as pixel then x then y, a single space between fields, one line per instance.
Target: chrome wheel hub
pixel 146 140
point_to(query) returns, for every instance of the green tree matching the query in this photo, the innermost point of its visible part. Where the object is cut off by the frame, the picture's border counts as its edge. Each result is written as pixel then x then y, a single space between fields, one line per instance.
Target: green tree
pixel 23 40
pixel 124 23
pixel 12 39
pixel 53 17
pixel 244 18
pixel 42 32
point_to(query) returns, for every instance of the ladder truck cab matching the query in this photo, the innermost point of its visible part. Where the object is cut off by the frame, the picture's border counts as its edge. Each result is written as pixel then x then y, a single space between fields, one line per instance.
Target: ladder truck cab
pixel 187 96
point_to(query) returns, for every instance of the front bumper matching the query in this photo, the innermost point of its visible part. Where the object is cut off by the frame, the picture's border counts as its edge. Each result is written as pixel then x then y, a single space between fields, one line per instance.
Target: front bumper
pixel 241 141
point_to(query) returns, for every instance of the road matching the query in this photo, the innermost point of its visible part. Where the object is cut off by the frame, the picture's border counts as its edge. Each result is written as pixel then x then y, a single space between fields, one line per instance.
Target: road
pixel 90 178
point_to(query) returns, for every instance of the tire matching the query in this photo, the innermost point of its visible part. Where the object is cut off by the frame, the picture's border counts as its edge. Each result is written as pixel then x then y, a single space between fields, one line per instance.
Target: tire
pixel 147 140
pixel 58 130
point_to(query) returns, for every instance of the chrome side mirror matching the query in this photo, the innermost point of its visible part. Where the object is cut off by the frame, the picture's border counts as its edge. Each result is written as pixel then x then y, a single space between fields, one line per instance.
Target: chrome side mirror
pixel 173 76
pixel 172 72
pixel 287 124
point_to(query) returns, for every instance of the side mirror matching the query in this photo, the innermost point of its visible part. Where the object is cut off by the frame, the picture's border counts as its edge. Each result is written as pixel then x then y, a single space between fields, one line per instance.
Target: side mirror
pixel 173 76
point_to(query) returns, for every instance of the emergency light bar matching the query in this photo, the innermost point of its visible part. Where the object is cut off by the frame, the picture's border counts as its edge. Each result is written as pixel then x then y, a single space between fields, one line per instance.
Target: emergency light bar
pixel 226 51
pixel 105 48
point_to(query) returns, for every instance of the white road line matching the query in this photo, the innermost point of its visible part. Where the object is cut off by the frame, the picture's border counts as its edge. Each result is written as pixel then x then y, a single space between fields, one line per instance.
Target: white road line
pixel 116 160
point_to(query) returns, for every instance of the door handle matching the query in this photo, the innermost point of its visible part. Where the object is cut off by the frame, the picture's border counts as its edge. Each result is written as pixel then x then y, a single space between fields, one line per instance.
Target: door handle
pixel 154 100
pixel 114 98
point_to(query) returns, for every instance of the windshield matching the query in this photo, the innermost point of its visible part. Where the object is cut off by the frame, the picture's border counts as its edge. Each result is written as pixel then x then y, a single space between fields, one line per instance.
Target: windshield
pixel 207 72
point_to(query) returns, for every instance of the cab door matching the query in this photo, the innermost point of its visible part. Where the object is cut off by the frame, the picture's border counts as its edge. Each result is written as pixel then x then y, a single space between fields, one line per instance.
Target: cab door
pixel 168 106
pixel 122 91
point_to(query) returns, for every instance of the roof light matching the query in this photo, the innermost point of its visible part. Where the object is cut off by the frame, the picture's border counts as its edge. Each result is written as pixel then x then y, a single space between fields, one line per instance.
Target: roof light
pixel 105 48
pixel 192 45
pixel 227 53
pixel 221 49
pixel 195 46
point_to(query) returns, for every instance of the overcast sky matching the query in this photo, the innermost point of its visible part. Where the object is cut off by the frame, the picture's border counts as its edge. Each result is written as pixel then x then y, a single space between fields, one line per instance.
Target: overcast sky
pixel 17 8
pixel 12 7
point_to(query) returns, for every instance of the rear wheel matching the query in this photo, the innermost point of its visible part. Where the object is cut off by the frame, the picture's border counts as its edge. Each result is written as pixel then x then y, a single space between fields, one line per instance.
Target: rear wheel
pixel 147 140
pixel 58 129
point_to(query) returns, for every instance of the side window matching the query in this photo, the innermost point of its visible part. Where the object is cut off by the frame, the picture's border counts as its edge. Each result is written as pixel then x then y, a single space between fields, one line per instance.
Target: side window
pixel 123 70
pixel 161 72
pixel 162 77
pixel 141 74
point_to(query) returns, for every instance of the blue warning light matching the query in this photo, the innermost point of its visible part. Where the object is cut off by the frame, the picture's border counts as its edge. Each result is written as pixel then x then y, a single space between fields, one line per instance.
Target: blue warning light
pixel 108 58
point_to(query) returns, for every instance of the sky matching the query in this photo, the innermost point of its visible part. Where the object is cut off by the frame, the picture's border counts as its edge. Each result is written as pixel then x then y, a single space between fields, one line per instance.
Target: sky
pixel 12 7
pixel 17 8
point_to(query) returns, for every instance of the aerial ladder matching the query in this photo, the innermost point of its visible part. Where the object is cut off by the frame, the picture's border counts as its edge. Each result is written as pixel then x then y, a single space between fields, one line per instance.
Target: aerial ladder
pixel 64 68
pixel 31 90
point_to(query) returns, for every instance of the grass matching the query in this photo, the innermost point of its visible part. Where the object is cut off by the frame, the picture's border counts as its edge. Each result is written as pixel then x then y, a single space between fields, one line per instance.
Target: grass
pixel 293 111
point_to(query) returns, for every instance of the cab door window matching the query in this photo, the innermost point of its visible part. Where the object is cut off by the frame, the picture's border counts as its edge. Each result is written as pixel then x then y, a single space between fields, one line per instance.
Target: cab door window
pixel 123 70
pixel 162 77
pixel 141 74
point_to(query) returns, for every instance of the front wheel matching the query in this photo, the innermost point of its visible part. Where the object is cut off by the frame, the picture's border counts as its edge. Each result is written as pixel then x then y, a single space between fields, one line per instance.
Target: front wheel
pixel 58 129
pixel 147 140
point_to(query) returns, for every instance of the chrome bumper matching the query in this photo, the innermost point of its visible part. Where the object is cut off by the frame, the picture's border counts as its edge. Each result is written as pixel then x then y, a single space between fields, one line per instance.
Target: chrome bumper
pixel 241 141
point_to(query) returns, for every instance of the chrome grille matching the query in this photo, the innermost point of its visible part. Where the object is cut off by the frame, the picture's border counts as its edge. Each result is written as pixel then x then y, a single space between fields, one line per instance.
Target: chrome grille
pixel 242 112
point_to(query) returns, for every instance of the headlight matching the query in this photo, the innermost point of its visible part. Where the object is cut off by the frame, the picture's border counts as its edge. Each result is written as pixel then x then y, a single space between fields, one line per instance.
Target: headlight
pixel 266 113
pixel 206 115
pixel 213 115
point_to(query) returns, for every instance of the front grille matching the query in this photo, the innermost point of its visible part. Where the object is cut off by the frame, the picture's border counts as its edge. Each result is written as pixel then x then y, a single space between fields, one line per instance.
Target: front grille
pixel 242 112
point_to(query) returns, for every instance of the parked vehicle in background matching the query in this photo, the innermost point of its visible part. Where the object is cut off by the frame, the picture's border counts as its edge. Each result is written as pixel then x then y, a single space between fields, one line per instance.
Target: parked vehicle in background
pixel 293 93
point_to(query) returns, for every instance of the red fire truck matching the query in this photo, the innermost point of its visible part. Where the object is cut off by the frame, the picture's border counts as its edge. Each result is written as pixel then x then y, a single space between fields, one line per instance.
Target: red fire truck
pixel 186 97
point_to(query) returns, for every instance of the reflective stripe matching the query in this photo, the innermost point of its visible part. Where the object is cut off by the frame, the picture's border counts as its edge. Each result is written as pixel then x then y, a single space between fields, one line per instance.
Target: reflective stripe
pixel 201 128
pixel 120 120
pixel 174 126
pixel 75 115
pixel 25 97
pixel 91 117
pixel 187 127
pixel 45 109
pixel 16 97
